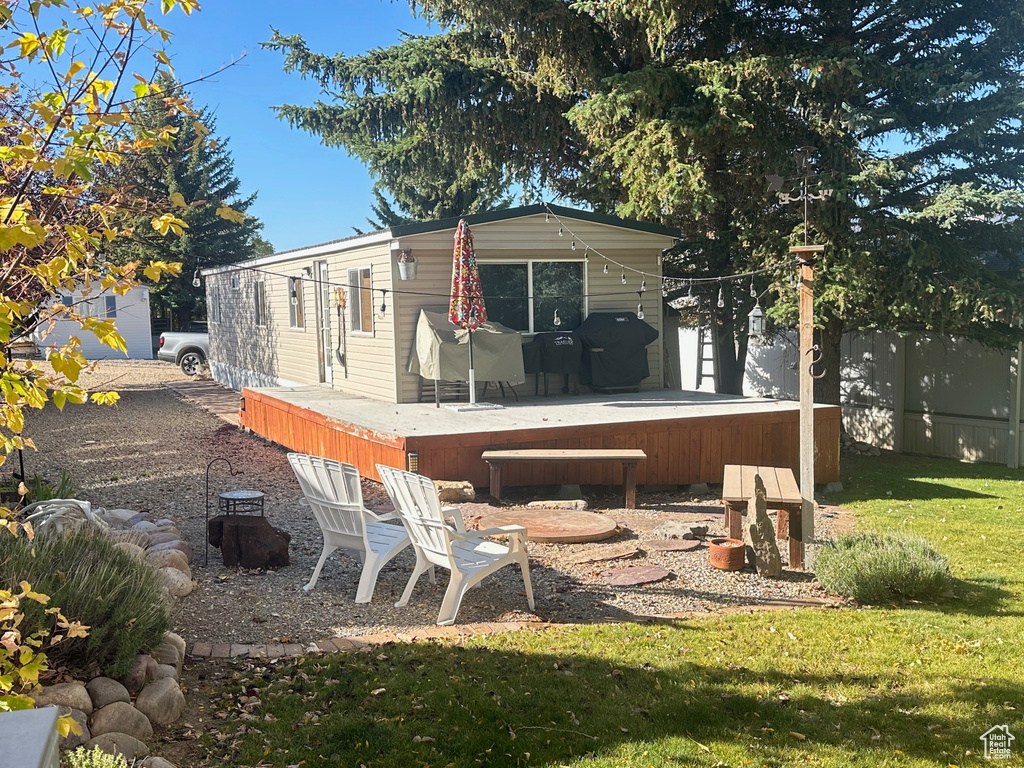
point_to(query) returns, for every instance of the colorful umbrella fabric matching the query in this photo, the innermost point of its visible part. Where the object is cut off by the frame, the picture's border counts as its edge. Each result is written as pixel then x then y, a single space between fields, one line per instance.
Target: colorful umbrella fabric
pixel 466 308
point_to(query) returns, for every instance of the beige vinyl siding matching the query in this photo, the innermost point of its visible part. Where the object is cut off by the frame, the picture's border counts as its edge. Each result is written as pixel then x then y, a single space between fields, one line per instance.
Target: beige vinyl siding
pixel 274 348
pixel 371 359
pixel 531 238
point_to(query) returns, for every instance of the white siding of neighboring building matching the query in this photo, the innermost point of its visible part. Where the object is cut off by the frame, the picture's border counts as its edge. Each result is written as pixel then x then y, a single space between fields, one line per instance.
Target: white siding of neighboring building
pixel 132 322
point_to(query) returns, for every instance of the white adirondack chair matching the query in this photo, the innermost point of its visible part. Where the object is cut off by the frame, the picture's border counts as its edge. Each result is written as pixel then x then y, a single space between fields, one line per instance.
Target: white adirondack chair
pixel 336 498
pixel 469 555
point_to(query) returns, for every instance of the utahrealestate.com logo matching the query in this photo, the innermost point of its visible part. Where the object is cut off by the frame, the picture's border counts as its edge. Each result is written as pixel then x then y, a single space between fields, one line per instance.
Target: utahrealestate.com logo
pixel 997 742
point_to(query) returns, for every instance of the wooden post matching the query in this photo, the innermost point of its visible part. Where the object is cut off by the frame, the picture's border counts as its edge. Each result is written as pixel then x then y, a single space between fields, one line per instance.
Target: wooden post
pixel 1013 457
pixel 806 254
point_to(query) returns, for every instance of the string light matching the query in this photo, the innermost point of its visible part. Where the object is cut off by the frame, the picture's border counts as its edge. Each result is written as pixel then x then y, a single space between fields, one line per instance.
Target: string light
pixel 195 279
pixel 556 321
pixel 547 217
pixel 623 276
pixel 721 295
pixel 560 233
pixel 643 286
pixel 639 306
pixel 606 268
pixel 664 290
pixel 383 302
pixel 574 244
pixel 586 254
pixel 753 291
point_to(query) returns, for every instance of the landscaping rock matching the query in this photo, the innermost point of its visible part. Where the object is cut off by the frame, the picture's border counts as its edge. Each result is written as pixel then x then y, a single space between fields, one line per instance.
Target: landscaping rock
pixel 74 740
pixel 120 717
pixel 130 537
pixel 138 517
pixel 176 582
pixel 170 651
pixel 767 558
pixel 161 701
pixel 672 529
pixel 454 490
pixel 169 558
pixel 577 504
pixel 144 526
pixel 121 516
pixel 597 554
pixel 672 545
pixel 104 691
pixel 163 521
pixel 698 488
pixel 161 537
pixel 165 670
pixel 155 762
pixel 635 575
pixel 73 695
pixel 118 744
pixel 140 674
pixel 181 546
pixel 132 549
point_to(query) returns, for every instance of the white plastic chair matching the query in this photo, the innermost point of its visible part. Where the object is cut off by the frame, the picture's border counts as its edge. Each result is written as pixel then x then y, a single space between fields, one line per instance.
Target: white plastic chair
pixel 336 498
pixel 469 555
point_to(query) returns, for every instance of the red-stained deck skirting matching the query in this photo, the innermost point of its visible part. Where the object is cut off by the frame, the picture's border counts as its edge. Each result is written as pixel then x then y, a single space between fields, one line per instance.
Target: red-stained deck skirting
pixel 679 450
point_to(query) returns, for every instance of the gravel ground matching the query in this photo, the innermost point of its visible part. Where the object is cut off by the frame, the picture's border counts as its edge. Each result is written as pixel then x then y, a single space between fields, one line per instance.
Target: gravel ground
pixel 150 452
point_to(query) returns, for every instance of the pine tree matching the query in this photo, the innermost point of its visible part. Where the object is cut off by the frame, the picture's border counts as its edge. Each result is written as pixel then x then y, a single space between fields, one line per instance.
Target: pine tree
pixel 677 112
pixel 197 172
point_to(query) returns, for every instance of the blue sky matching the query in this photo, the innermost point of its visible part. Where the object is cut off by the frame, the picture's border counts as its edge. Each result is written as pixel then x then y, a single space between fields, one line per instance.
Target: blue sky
pixel 308 193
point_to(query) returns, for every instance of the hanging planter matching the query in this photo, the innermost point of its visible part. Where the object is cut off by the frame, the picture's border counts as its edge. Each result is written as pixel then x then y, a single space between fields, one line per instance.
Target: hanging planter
pixel 406 265
pixel 727 554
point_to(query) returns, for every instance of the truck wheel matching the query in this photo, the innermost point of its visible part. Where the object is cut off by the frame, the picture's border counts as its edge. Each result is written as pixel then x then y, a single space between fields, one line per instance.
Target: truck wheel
pixel 190 363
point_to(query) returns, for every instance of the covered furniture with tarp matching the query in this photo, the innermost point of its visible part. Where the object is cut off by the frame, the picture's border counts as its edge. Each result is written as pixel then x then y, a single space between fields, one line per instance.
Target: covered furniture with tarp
pixel 441 351
pixel 615 350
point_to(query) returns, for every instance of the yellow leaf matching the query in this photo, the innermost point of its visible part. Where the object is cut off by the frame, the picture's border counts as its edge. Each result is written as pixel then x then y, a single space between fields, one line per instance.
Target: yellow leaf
pixel 178 200
pixel 226 212
pixel 169 222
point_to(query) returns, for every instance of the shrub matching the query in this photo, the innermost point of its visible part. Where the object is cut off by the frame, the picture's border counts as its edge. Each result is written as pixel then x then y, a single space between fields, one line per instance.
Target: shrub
pixel 97 758
pixel 41 490
pixel 119 598
pixel 883 567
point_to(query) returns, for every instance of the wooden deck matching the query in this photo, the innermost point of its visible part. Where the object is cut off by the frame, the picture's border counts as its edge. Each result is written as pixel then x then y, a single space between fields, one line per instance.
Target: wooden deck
pixel 688 436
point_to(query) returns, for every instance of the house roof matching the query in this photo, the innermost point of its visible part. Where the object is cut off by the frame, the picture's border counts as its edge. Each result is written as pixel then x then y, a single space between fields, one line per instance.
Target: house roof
pixel 417 228
pixel 439 225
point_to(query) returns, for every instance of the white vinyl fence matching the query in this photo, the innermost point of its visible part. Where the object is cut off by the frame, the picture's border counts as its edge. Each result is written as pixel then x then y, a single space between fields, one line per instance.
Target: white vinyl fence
pixel 922 394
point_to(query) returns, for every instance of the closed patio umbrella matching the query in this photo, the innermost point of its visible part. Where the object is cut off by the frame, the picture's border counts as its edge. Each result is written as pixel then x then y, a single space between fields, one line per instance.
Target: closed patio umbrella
pixel 466 307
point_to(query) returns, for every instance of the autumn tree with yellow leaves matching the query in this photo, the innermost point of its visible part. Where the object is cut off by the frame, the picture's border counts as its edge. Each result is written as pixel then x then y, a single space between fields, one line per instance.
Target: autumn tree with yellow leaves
pixel 70 77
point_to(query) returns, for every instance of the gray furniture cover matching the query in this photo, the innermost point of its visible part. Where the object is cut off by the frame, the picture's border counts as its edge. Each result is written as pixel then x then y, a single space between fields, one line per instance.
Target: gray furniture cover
pixel 441 350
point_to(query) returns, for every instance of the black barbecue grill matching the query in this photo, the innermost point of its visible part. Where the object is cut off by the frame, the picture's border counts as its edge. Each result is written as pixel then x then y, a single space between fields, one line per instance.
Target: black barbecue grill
pixel 559 352
pixel 615 345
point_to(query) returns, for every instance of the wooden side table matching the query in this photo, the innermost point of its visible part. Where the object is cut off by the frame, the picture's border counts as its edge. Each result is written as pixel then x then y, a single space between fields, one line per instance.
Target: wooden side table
pixel 783 494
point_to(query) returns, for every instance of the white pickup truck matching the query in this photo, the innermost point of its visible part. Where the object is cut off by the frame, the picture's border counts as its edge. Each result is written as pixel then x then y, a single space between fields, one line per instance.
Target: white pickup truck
pixel 187 349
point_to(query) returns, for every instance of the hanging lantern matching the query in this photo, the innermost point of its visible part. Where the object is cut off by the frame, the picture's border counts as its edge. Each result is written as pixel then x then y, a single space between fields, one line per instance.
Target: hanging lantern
pixel 755 322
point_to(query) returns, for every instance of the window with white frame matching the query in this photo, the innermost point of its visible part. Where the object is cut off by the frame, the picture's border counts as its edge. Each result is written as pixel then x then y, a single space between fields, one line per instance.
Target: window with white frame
pixel 296 305
pixel 213 311
pixel 236 282
pixel 101 306
pixel 260 301
pixel 526 295
pixel 360 300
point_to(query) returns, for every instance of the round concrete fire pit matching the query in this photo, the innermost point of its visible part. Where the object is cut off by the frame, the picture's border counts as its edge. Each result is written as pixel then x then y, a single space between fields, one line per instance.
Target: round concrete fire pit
pixel 555 526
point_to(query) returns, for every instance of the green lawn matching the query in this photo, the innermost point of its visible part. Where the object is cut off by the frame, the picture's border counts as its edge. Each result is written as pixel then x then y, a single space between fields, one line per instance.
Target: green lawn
pixel 910 686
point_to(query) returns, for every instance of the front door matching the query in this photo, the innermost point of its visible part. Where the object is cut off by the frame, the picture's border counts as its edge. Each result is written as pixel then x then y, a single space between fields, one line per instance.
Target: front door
pixel 323 322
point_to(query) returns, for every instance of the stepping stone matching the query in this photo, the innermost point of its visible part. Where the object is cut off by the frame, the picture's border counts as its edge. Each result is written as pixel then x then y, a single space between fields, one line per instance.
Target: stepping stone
pixel 635 575
pixel 672 545
pixel 604 552
pixel 554 526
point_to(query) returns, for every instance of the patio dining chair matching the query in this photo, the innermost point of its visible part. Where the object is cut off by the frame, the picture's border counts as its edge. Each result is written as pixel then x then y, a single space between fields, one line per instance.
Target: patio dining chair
pixel 335 495
pixel 470 555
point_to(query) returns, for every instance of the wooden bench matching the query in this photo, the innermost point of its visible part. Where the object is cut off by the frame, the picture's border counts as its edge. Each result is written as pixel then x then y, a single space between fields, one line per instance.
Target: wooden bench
pixel 630 459
pixel 783 494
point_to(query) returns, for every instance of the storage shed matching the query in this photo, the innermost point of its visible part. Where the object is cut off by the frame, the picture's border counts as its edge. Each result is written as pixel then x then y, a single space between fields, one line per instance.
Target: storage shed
pixel 338 314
